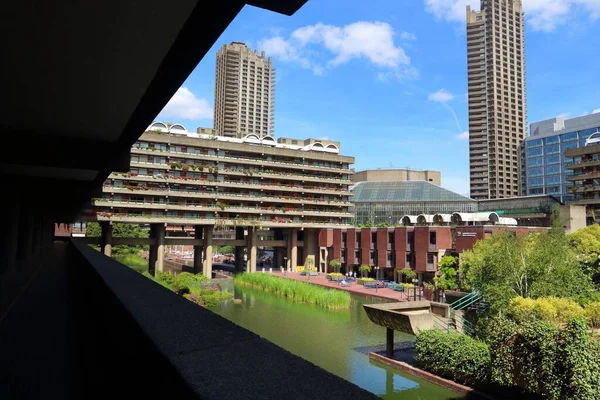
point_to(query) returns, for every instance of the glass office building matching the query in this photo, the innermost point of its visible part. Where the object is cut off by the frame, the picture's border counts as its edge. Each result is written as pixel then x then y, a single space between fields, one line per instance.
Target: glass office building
pixel 544 152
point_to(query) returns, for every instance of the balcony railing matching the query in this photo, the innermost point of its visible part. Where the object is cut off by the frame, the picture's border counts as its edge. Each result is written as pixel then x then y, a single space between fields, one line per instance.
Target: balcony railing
pixel 432 247
pixel 232 184
pixel 243 160
pixel 215 208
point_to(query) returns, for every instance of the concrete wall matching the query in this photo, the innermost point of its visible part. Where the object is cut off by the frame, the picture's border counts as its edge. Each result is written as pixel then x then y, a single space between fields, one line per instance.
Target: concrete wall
pixel 397 175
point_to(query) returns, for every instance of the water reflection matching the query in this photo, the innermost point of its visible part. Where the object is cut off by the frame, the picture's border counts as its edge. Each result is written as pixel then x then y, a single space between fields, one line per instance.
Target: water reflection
pixel 338 341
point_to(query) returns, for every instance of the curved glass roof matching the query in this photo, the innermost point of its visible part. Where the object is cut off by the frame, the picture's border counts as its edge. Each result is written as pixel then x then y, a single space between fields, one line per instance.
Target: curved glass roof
pixel 403 192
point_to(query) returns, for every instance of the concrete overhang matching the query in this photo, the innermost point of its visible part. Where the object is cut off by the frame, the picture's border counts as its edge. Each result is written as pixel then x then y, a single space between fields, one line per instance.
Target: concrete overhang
pixel 82 80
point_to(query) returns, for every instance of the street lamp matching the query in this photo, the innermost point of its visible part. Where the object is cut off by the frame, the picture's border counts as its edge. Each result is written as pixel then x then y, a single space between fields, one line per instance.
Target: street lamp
pixel 285 267
pixel 415 281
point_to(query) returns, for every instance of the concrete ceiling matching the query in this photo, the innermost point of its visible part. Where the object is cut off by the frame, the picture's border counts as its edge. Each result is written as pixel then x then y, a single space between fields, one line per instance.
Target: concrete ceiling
pixel 81 80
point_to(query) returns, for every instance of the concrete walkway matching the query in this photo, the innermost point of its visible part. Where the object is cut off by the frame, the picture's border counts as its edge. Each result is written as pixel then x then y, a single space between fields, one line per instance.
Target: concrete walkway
pixel 321 280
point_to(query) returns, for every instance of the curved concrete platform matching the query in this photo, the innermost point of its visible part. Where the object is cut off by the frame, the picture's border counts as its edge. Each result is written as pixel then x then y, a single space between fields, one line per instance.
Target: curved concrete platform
pixel 408 317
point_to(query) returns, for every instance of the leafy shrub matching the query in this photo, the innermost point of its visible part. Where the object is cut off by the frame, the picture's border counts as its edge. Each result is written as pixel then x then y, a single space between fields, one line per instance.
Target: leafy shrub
pixel 335 264
pixel 335 274
pixel 543 359
pixel 364 269
pixel 190 283
pixel 454 356
pixel 549 309
pixel 361 281
pixel 592 313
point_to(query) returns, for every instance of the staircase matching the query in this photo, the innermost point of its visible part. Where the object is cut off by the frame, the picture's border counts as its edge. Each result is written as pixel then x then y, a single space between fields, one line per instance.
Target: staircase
pixel 457 322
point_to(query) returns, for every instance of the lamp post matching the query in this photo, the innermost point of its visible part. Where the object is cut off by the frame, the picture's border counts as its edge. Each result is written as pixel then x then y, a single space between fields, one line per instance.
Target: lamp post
pixel 285 267
pixel 415 281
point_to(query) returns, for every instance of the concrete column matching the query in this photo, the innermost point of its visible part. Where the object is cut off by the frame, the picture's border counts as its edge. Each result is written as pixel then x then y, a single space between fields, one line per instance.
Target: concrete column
pixel 389 343
pixel 197 250
pixel 239 259
pixel 9 235
pixel 152 254
pixel 293 257
pixel 311 247
pixel 251 267
pixel 208 239
pixel 160 247
pixel 25 246
pixel 106 246
pixel 278 258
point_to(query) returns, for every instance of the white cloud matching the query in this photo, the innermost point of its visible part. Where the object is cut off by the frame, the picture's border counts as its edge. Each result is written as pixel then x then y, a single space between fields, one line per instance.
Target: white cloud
pixel 596 111
pixel 463 136
pixel 185 105
pixel 584 114
pixel 408 36
pixel 542 15
pixel 441 96
pixel 323 46
pixel 563 115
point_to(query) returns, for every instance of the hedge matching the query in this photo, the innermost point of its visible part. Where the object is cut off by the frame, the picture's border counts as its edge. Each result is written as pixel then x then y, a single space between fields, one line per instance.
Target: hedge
pixel 454 356
pixel 540 358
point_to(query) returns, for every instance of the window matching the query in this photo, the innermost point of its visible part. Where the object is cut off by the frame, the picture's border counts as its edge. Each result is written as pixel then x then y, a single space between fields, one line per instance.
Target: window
pixel 432 237
pixel 410 239
pixel 430 258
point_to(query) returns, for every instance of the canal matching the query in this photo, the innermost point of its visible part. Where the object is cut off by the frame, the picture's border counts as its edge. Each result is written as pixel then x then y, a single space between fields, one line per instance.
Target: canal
pixel 337 341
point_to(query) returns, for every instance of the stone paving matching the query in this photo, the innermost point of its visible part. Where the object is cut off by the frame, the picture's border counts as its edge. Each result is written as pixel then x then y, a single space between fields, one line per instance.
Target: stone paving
pixel 321 280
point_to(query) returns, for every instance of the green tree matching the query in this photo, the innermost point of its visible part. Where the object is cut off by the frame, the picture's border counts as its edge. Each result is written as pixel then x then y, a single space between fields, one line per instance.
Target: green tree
pixel 586 245
pixel 335 264
pixel 505 266
pixel 406 274
pixel 226 249
pixel 364 270
pixel 556 223
pixel 448 273
pixel 93 229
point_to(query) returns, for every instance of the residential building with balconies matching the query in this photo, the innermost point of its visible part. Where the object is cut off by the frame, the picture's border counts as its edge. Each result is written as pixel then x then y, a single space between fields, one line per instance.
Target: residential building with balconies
pixel 585 164
pixel 232 185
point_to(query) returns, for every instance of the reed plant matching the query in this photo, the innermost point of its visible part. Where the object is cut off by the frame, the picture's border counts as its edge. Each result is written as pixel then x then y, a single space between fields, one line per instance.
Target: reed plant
pixel 297 291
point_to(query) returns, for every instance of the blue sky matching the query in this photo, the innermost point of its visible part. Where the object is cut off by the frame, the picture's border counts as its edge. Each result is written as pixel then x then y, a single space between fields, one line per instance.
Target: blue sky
pixel 387 78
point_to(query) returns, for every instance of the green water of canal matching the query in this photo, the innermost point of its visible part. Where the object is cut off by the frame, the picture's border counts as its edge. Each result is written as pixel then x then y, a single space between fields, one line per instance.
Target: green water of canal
pixel 337 341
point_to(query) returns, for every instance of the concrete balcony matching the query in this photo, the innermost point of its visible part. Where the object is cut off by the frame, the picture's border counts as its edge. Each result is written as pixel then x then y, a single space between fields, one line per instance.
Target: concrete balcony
pixel 583 177
pixel 169 192
pixel 583 164
pixel 149 165
pixel 213 208
pixel 243 185
pixel 243 161
pixel 256 222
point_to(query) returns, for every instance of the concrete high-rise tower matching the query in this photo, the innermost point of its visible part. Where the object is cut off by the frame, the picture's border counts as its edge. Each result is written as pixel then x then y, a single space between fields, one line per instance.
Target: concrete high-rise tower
pixel 497 109
pixel 244 92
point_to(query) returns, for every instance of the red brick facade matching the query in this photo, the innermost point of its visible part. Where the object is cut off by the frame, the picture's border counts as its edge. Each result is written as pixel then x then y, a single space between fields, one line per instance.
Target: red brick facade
pixel 417 247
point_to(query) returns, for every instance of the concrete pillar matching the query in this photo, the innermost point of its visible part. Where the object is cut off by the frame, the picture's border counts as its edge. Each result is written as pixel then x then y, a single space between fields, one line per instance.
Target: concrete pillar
pixel 278 258
pixel 25 246
pixel 9 235
pixel 106 246
pixel 160 247
pixel 389 343
pixel 152 254
pixel 311 247
pixel 252 252
pixel 239 259
pixel 198 250
pixel 293 243
pixel 208 239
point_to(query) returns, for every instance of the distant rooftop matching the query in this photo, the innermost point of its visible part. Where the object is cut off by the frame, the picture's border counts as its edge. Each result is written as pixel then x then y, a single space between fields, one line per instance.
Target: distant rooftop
pixel 403 192
pixel 560 125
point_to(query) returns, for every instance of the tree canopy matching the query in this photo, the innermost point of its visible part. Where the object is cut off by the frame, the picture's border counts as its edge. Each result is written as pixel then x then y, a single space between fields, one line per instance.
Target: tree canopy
pixel 448 273
pixel 586 245
pixel 504 266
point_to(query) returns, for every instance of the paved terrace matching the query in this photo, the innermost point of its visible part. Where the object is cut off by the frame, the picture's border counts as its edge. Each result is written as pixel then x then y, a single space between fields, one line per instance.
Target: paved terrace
pixel 321 280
